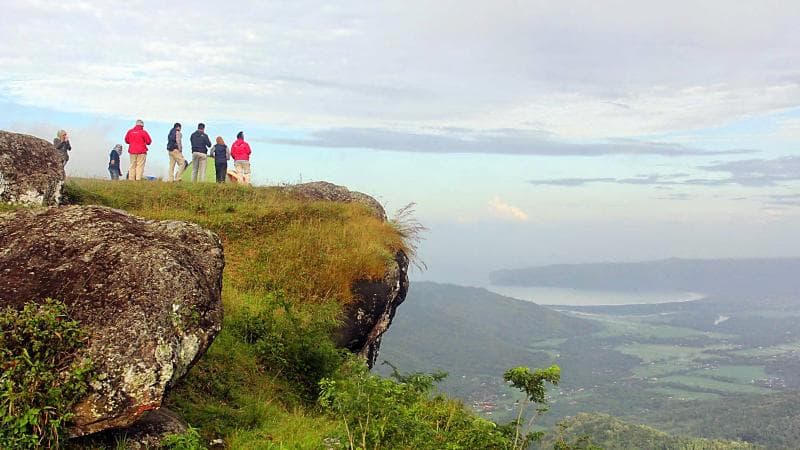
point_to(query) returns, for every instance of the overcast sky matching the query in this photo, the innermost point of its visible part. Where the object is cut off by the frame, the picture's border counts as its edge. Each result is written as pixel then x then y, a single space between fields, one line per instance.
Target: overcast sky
pixel 528 132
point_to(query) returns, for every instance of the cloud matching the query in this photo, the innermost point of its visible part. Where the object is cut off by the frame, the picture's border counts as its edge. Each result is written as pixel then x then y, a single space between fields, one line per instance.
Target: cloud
pixel 749 172
pixel 409 65
pixel 784 199
pixel 502 141
pixel 499 208
pixel 759 172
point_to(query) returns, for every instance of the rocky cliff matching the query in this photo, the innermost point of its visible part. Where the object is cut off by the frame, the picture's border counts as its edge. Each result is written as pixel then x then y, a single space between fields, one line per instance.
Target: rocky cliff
pixel 147 292
pixel 375 301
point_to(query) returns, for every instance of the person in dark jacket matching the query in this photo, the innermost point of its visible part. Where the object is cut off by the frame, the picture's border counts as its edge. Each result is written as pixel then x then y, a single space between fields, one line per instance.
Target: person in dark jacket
pixel 61 143
pixel 175 150
pixel 200 145
pixel 221 155
pixel 114 167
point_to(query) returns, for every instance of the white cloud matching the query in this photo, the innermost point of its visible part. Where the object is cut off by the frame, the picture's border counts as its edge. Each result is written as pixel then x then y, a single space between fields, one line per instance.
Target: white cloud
pixel 499 208
pixel 614 69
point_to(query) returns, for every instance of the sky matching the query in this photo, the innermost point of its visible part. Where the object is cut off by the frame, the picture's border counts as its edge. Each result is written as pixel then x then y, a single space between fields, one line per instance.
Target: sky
pixel 526 132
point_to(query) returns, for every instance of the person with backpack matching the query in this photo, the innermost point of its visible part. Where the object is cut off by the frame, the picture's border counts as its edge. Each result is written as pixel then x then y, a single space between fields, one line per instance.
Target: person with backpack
pixel 200 145
pixel 175 150
pixel 240 151
pixel 221 155
pixel 137 139
pixel 114 167
pixel 61 143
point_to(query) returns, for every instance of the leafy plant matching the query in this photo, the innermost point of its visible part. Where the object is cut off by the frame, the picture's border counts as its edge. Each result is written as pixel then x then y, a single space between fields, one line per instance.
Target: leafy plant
pixel 189 440
pixel 403 413
pixel 41 377
pixel 532 384
pixel 300 350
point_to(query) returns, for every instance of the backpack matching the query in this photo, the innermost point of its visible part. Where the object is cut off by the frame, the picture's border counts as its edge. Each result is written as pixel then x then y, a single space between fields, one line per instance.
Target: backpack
pixel 172 144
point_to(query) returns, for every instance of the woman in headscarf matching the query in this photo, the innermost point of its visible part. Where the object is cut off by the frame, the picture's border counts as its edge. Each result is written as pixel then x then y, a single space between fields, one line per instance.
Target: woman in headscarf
pixel 114 168
pixel 61 143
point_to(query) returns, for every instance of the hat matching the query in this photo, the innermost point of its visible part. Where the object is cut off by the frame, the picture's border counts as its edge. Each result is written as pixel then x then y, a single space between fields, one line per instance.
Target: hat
pixel 139 122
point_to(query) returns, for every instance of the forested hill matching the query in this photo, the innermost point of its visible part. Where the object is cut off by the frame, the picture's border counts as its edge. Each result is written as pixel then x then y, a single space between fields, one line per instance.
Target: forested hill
pixel 706 276
pixel 474 335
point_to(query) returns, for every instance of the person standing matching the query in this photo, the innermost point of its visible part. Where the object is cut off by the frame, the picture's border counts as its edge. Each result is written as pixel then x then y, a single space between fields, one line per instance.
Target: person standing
pixel 61 143
pixel 200 145
pixel 137 139
pixel 240 151
pixel 221 155
pixel 114 167
pixel 175 150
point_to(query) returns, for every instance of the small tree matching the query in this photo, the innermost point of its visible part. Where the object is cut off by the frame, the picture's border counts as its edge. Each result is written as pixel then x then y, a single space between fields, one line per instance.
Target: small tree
pixel 532 383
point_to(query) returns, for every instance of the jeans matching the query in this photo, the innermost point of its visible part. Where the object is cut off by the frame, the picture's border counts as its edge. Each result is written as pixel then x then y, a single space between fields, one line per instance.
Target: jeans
pixel 199 166
pixel 136 170
pixel 176 158
pixel 114 172
pixel 222 170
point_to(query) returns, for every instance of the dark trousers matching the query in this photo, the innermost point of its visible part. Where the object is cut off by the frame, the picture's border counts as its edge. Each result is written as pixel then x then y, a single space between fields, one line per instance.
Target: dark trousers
pixel 114 172
pixel 222 169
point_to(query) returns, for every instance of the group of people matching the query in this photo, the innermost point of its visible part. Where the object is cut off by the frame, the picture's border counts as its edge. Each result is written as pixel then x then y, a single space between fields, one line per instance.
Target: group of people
pixel 138 140
pixel 200 142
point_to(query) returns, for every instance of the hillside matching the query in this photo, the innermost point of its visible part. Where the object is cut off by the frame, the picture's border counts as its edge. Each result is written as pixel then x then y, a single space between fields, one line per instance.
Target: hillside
pixel 712 276
pixel 474 334
pixel 610 433
pixel 298 267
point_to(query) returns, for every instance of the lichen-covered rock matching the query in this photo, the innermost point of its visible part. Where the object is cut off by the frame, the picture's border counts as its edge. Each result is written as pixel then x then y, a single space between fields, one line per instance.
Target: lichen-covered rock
pixel 31 170
pixel 147 292
pixel 372 310
pixel 322 190
pixel 148 432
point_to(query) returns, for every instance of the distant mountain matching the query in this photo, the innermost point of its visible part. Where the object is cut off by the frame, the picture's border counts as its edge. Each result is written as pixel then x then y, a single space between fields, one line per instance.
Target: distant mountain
pixel 471 330
pixel 707 276
pixel 610 433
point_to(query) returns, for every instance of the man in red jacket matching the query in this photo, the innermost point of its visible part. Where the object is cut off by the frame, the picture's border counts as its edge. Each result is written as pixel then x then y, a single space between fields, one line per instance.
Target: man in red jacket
pixel 137 140
pixel 240 152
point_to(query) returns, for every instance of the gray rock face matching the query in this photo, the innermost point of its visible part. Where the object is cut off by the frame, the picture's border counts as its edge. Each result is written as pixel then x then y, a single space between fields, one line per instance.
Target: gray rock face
pixel 322 190
pixel 372 311
pixel 147 292
pixel 31 170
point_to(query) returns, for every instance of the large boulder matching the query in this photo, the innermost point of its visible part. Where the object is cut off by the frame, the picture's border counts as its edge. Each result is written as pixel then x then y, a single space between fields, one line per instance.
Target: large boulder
pixel 322 190
pixel 31 170
pixel 371 312
pixel 148 293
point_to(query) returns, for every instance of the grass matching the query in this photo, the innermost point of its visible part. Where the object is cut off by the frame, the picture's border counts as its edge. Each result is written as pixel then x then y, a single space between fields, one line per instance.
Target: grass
pixel 708 384
pixel 275 245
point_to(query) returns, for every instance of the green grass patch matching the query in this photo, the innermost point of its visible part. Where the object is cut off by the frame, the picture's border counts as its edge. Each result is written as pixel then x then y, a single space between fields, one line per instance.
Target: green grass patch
pixel 710 385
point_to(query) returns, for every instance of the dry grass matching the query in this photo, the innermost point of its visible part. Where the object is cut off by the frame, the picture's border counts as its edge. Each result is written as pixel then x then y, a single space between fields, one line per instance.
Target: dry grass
pixel 314 250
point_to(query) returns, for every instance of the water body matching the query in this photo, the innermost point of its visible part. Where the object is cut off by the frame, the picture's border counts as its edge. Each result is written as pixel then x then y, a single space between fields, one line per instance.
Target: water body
pixel 579 297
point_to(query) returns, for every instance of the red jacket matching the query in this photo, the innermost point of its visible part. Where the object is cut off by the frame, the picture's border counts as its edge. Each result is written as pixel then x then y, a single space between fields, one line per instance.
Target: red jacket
pixel 137 140
pixel 240 150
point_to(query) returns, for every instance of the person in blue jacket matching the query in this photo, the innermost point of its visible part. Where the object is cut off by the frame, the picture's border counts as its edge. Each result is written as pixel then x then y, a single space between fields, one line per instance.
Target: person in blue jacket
pixel 114 168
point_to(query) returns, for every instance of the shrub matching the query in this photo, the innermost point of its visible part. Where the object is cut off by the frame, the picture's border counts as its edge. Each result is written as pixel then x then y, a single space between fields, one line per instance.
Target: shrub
pixel 401 413
pixel 190 440
pixel 41 377
pixel 299 349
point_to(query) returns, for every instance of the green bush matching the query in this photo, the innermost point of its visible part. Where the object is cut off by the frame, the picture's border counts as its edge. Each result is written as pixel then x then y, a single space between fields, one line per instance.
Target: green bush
pixel 190 440
pixel 402 413
pixel 41 377
pixel 296 347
